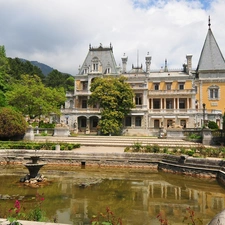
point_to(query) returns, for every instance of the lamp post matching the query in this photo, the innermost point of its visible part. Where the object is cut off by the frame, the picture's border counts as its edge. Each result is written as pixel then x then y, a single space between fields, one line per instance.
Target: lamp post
pixel 203 105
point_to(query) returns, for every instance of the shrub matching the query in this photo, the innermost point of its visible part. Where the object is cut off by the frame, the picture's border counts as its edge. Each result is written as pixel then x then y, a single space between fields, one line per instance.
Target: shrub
pixel 137 146
pixel 148 148
pixel 155 148
pixel 194 136
pixel 12 124
pixel 213 125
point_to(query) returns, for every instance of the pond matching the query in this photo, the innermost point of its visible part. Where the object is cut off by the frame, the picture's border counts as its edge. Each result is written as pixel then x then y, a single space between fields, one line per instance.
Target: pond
pixel 136 196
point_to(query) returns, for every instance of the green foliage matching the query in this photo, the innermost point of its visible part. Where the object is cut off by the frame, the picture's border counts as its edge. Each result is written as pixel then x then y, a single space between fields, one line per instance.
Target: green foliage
pixel 190 152
pixel 12 124
pixel 70 83
pixel 115 98
pixel 45 125
pixel 106 219
pixel 194 136
pixel 36 213
pixel 213 125
pixel 137 146
pixel 32 98
pixel 56 79
pixel 20 67
pixel 156 148
pixel 4 77
pixel 36 146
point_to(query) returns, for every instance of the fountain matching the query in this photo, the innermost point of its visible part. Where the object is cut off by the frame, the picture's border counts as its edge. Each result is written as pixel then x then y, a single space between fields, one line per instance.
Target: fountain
pixel 33 167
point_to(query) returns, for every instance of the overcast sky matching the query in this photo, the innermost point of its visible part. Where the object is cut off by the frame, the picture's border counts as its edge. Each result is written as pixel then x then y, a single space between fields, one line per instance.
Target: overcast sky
pixel 58 32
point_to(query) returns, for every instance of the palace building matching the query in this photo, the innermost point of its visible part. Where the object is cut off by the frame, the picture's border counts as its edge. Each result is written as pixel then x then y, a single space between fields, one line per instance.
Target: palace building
pixel 166 98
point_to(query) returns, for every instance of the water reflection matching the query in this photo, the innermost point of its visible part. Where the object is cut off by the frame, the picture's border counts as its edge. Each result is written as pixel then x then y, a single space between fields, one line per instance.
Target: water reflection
pixel 135 195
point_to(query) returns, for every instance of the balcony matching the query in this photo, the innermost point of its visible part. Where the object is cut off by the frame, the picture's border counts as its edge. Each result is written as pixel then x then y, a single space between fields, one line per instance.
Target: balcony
pixel 82 92
pixel 80 110
pixel 69 94
pixel 171 92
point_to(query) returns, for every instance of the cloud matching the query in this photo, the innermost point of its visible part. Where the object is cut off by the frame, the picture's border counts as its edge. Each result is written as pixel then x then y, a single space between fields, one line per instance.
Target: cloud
pixel 58 32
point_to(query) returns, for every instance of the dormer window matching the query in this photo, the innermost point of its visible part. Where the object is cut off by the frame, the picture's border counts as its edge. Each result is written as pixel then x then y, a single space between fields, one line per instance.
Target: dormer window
pixel 85 71
pixel 156 86
pixel 181 86
pixel 108 70
pixel 95 64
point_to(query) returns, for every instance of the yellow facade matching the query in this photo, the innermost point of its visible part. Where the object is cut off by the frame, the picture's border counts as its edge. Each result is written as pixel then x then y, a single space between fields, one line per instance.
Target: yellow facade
pixel 203 95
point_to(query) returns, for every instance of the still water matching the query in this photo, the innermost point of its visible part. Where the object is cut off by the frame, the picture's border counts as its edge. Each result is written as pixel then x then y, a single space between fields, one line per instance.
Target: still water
pixel 135 195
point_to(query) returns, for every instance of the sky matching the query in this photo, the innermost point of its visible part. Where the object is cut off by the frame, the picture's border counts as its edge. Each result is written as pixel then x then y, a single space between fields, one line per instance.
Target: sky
pixel 58 32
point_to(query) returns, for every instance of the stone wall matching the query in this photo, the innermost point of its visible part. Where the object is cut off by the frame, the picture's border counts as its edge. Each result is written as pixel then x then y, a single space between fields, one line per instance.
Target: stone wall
pixel 199 167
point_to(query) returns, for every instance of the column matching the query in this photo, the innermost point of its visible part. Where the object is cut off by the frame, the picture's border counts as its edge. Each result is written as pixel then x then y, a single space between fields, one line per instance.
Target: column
pixel 188 103
pixel 164 104
pixel 88 126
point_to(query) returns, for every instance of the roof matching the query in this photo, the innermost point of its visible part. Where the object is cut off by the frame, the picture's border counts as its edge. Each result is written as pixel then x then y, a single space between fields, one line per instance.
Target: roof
pixel 103 56
pixel 211 57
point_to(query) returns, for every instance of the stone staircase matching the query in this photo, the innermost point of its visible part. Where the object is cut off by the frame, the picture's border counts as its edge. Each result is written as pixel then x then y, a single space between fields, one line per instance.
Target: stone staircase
pixel 117 141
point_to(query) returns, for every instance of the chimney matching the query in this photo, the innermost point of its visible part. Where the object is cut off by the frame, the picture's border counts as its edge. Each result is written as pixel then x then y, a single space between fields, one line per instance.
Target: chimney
pixel 148 59
pixel 189 63
pixel 124 62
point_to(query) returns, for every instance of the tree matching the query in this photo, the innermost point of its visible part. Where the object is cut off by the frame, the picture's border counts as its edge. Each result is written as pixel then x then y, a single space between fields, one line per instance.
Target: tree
pixel 70 83
pixel 19 67
pixel 57 79
pixel 32 98
pixel 3 75
pixel 12 124
pixel 115 98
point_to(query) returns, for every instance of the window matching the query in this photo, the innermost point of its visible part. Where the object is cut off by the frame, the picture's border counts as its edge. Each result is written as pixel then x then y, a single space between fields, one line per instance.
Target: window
pixel 95 122
pixel 169 123
pixel 85 71
pixel 156 103
pixel 169 103
pixel 168 86
pixel 183 123
pixel 138 121
pixel 182 104
pixel 156 86
pixel 138 99
pixel 108 70
pixel 83 122
pixel 84 104
pixel 156 124
pixel 128 121
pixel 214 92
pixel 181 86
pixel 71 104
pixel 95 66
pixel 84 85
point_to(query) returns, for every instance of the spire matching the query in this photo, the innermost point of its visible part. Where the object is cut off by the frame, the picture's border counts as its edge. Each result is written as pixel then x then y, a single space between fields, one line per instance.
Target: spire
pixel 209 23
pixel 211 57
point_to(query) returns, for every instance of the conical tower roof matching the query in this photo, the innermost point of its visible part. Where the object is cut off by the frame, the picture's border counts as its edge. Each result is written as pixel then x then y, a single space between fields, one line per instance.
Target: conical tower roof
pixel 211 58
